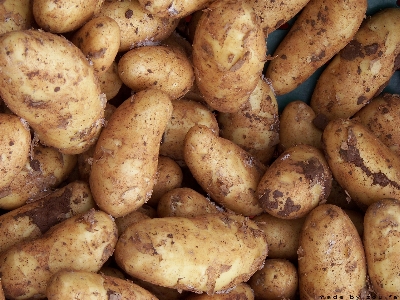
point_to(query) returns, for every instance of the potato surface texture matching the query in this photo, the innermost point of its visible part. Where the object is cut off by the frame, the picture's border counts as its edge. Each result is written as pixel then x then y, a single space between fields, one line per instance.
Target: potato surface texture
pixel 126 155
pixel 174 9
pixel 228 54
pixel 83 242
pixel 208 253
pixel 47 81
pixel 381 243
pixel 19 15
pixel 331 255
pixel 224 170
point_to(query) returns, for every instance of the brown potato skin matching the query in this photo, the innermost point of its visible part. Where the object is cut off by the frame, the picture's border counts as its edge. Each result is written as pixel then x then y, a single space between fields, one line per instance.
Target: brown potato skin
pixel 122 180
pixel 331 255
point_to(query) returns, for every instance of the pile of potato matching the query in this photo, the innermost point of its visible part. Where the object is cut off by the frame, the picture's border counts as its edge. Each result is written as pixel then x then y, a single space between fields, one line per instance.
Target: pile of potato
pixel 143 153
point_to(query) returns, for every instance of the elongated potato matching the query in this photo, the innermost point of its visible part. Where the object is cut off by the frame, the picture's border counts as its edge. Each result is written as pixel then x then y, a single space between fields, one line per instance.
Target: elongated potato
pixel 331 256
pixel 174 9
pixel 224 170
pixel 321 30
pixel 126 155
pixel 15 145
pixel 32 220
pixel 209 253
pixel 82 285
pixel 361 70
pixel 366 168
pixel 47 81
pixel 82 242
pixel 228 54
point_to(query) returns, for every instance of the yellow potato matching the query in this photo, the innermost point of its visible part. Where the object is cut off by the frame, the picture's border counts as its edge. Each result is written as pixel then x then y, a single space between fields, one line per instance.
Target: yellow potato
pixel 110 83
pixel 209 253
pixel 17 15
pixel 125 160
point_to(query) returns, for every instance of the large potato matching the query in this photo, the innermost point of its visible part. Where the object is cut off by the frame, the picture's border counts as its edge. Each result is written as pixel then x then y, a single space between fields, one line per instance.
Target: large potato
pixel 322 28
pixel 331 256
pixel 228 173
pixel 209 253
pixel 82 242
pixel 229 52
pixel 47 80
pixel 17 15
pixel 125 160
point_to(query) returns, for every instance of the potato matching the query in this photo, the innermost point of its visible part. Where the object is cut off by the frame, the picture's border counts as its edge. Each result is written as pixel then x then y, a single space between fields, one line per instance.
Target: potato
pixel 138 26
pixel 185 202
pixel 64 15
pixel 331 256
pixel 15 145
pixel 82 242
pixel 240 291
pixel 381 243
pixel 34 219
pixel 209 253
pixel 361 70
pixel 143 212
pixel 366 168
pixel 282 235
pixel 277 280
pixel 185 115
pixel 175 9
pixel 295 183
pixel 228 173
pixel 159 67
pixel 47 81
pixel 321 30
pixel 17 15
pixel 110 83
pixel 228 54
pixel 255 127
pixel 86 285
pixel 381 116
pixel 296 126
pixel 99 40
pixel 126 155
pixel 45 169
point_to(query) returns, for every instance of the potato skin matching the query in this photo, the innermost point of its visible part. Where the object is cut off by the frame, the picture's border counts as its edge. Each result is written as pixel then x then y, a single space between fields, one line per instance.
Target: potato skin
pixel 209 253
pixel 19 15
pixel 224 170
pixel 53 87
pixel 228 54
pixel 362 165
pixel 121 180
pixel 175 9
pixel 83 242
pixel 331 255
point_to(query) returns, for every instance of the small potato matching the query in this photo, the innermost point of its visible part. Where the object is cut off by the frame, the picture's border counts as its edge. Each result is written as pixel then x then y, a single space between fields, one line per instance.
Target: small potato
pixel 84 285
pixel 64 15
pixel 297 126
pixel 296 182
pixel 47 81
pixel 277 280
pixel 34 219
pixel 381 116
pixel 175 9
pixel 241 292
pixel 209 253
pixel 331 256
pixel 224 170
pixel 110 83
pixel 138 26
pixel 16 15
pixel 360 70
pixel 82 242
pixel 184 202
pixel 125 160
pixel 44 170
pixel 255 127
pixel 143 212
pixel 185 115
pixel 282 235
pixel 169 176
pixel 382 246
pixel 159 67
pixel 15 145
pixel 362 165
pixel 99 40
pixel 229 52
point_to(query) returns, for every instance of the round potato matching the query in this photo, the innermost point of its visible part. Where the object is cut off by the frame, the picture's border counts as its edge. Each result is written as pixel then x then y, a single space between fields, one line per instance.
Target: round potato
pixel 159 67
pixel 17 15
